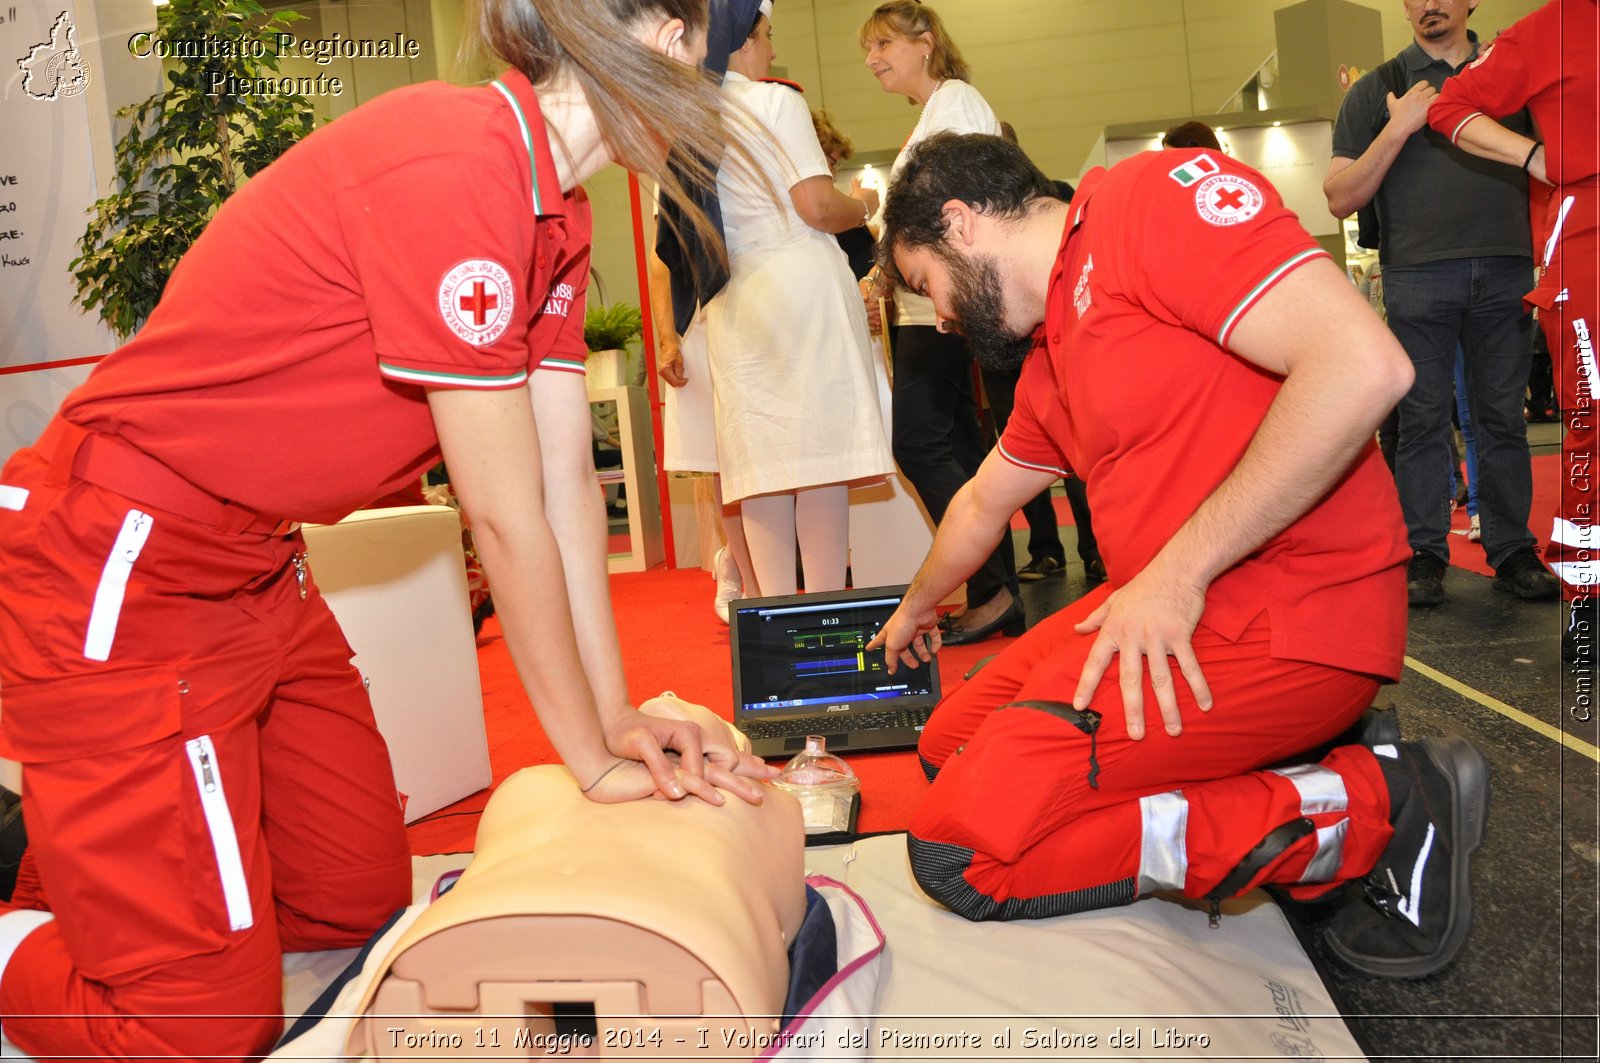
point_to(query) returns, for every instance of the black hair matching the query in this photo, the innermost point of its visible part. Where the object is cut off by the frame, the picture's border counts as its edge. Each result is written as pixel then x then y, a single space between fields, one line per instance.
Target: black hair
pixel 990 174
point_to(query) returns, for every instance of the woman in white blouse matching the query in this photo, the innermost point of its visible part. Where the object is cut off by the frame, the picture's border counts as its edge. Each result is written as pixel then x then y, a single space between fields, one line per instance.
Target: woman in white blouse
pixel 795 399
pixel 935 417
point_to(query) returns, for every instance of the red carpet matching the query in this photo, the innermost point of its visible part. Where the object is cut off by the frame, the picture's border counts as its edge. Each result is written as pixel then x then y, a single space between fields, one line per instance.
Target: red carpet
pixel 671 640
pixel 1546 493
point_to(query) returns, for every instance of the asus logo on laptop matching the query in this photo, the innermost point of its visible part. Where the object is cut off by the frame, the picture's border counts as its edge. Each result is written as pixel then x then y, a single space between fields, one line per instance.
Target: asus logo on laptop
pixel 838 708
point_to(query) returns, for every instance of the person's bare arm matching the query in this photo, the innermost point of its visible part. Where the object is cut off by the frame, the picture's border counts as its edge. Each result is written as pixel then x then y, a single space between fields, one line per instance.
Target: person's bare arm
pixel 492 448
pixel 1351 183
pixel 1343 371
pixel 576 515
pixel 543 577
pixel 822 206
pixel 978 515
pixel 669 355
pixel 1487 138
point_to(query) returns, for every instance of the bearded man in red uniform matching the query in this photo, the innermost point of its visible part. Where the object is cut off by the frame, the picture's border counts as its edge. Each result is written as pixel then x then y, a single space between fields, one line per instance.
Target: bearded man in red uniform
pixel 1549 62
pixel 1192 354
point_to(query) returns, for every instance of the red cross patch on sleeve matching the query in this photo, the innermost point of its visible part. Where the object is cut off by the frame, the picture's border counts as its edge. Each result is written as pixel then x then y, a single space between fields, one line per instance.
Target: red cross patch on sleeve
pixel 476 299
pixel 1227 199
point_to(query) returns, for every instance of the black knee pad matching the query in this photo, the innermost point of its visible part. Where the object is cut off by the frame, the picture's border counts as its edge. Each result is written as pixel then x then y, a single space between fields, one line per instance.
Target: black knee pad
pixel 940 869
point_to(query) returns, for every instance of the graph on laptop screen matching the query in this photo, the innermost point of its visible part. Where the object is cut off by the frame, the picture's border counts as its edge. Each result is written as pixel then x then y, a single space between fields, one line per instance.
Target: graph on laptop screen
pixel 813 657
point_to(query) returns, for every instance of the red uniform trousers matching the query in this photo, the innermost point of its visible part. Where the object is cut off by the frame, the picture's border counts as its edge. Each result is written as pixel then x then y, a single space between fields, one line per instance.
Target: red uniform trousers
pixel 1030 815
pixel 1573 267
pixel 212 792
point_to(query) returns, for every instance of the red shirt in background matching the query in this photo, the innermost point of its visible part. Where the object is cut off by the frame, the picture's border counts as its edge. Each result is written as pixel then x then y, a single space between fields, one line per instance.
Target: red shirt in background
pixel 1548 62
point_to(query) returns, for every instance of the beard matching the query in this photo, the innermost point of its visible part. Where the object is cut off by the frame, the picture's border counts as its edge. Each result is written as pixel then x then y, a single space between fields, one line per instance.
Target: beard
pixel 1432 27
pixel 979 303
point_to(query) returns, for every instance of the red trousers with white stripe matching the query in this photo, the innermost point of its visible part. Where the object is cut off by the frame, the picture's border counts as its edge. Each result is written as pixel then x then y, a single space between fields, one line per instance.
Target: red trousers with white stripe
pixel 1568 297
pixel 210 793
pixel 1013 826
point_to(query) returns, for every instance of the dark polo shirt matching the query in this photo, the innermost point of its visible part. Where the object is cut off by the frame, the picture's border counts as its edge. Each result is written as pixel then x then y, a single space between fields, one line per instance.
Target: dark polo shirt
pixel 1437 202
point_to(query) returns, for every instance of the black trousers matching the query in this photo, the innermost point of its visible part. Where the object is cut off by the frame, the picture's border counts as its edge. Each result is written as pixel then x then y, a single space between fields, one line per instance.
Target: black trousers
pixel 937 443
pixel 1044 536
pixel 1078 499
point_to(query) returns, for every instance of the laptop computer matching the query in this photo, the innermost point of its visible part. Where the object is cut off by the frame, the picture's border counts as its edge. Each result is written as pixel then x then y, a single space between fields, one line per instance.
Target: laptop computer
pixel 801 667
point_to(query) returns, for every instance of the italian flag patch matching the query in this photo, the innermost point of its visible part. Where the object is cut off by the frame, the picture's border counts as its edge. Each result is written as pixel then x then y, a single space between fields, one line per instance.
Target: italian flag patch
pixel 1195 170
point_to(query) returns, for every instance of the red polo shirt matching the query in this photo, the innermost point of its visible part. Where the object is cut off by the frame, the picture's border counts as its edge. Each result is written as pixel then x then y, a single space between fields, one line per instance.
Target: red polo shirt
pixel 422 240
pixel 1135 391
pixel 1549 62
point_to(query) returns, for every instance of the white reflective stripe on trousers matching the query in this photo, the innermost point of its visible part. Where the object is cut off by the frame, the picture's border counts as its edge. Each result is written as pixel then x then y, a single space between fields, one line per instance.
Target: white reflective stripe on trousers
pixel 1325 863
pixel 108 596
pixel 224 839
pixel 1321 792
pixel 1163 845
pixel 1582 536
pixel 1555 230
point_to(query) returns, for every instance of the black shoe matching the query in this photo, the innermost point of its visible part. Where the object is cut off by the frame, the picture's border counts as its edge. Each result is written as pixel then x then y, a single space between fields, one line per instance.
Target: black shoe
pixel 1425 580
pixel 1039 568
pixel 1094 569
pixel 1578 640
pixel 484 611
pixel 1524 575
pixel 1377 727
pixel 1012 623
pixel 1418 905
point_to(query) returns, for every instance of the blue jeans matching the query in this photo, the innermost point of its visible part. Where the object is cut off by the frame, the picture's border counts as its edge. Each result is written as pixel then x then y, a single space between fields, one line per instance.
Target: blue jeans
pixel 1469 448
pixel 1476 303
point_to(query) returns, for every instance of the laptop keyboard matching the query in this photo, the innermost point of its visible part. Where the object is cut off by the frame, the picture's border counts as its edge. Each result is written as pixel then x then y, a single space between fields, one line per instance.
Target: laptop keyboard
pixel 867 721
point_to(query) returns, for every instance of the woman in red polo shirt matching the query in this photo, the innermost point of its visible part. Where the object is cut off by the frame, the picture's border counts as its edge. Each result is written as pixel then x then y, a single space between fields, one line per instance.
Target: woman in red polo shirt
pixel 205 784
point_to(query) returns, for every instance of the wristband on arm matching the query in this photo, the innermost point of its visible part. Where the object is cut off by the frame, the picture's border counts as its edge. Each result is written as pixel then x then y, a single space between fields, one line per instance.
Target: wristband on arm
pixel 1537 144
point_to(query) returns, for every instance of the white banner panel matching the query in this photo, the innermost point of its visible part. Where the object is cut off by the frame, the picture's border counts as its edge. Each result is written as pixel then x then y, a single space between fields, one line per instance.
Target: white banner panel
pixel 47 184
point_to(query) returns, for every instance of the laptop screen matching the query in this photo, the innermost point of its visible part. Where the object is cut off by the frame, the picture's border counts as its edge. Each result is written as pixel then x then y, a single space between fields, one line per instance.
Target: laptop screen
pixel 806 655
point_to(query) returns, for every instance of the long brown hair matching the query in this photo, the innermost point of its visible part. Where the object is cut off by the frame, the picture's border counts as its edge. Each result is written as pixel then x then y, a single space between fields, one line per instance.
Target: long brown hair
pixel 643 102
pixel 908 20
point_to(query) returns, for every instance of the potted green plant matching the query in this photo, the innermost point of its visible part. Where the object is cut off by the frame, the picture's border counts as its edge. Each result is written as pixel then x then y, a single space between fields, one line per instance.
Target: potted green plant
pixel 607 331
pixel 186 150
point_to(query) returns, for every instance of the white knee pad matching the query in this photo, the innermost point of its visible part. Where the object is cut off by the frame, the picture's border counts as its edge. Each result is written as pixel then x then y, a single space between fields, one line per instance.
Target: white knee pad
pixel 14 926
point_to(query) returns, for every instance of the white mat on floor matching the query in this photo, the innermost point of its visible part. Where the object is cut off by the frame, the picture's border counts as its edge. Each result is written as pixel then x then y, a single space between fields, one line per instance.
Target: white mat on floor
pixel 1153 970
pixel 1148 981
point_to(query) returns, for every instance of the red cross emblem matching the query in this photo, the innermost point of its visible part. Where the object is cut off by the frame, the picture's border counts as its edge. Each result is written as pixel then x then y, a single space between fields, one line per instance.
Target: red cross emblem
pixel 479 303
pixel 476 300
pixel 1229 199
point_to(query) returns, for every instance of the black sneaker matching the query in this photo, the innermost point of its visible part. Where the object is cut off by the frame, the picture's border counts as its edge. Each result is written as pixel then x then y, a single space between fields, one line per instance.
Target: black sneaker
pixel 1418 904
pixel 1377 727
pixel 1425 580
pixel 1524 575
pixel 1039 568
